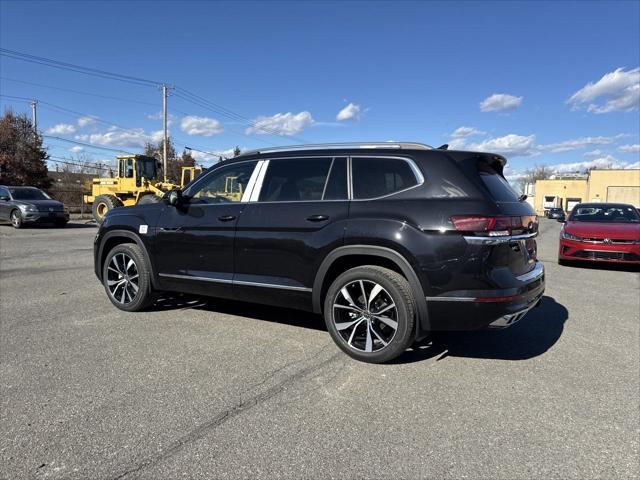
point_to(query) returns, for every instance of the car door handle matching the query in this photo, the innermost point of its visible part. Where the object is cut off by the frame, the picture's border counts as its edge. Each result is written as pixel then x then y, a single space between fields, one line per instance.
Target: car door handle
pixel 318 218
pixel 227 218
pixel 171 229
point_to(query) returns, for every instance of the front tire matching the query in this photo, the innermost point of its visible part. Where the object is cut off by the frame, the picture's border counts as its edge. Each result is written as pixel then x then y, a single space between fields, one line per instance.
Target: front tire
pixel 126 278
pixel 16 219
pixel 370 314
pixel 149 199
pixel 102 204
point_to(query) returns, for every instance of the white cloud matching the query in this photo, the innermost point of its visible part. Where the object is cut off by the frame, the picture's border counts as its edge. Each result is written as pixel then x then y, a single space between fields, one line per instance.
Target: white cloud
pixel 499 102
pixel 619 90
pixel 462 132
pixel 86 120
pixel 635 148
pixel 281 123
pixel 577 143
pixel 114 136
pixel 512 144
pixel 204 126
pixel 580 167
pixel 350 112
pixel 594 153
pixel 76 149
pixel 61 129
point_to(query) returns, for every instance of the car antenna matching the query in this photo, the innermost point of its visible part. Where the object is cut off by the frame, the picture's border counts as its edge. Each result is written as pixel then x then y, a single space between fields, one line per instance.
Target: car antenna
pixel 443 147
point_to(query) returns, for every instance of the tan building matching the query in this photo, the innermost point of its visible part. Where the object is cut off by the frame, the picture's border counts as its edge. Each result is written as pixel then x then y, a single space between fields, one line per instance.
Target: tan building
pixel 622 186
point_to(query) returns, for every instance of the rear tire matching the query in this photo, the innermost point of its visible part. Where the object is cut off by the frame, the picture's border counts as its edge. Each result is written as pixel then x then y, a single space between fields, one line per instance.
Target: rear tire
pixel 126 278
pixel 562 262
pixel 16 219
pixel 370 314
pixel 102 204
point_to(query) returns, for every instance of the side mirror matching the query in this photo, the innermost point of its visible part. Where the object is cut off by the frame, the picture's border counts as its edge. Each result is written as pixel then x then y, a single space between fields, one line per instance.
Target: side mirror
pixel 174 198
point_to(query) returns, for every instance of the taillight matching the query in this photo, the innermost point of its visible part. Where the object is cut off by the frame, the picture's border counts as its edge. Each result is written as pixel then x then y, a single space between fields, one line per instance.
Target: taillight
pixel 494 226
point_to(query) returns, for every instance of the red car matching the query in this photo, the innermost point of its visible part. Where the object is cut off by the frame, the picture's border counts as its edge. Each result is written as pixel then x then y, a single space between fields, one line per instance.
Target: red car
pixel 601 232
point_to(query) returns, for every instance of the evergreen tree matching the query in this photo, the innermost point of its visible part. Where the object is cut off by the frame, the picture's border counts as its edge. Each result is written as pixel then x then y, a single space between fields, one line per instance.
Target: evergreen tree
pixel 23 161
pixel 236 151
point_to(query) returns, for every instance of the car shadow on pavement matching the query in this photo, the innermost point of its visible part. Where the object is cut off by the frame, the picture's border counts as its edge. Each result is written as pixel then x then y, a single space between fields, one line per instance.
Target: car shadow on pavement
pixel 285 316
pixel 532 336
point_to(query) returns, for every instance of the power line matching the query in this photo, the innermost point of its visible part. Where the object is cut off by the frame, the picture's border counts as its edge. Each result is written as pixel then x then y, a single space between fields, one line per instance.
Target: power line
pixel 79 92
pixel 207 104
pixel 183 93
pixel 77 68
pixel 88 144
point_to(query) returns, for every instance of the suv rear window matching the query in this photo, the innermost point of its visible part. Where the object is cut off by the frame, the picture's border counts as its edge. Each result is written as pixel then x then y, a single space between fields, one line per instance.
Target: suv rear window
pixel 497 185
pixel 376 177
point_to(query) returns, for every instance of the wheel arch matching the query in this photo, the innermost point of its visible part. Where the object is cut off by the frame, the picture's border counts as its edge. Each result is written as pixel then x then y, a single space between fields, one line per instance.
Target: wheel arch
pixel 354 255
pixel 117 237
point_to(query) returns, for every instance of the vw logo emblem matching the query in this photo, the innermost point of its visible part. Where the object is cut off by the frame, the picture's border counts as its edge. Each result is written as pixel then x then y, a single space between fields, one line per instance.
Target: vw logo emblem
pixel 51 209
pixel 607 241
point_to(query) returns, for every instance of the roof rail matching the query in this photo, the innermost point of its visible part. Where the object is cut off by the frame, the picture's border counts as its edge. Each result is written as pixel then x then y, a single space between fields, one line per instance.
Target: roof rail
pixel 335 146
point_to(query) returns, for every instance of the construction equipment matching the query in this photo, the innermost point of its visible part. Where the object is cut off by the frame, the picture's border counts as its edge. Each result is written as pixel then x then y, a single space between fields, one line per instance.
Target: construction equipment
pixel 137 182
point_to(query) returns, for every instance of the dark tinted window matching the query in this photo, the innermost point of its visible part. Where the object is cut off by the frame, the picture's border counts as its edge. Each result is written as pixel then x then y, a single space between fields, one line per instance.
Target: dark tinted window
pixel 4 192
pixel 376 177
pixel 497 185
pixel 295 179
pixel 336 188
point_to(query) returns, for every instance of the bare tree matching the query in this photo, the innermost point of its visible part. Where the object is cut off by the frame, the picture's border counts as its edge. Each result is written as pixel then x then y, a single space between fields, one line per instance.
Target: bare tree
pixel 530 176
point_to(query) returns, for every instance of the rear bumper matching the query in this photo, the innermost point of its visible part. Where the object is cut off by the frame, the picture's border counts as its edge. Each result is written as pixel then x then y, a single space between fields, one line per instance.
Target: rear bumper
pixel 599 252
pixel 45 217
pixel 476 309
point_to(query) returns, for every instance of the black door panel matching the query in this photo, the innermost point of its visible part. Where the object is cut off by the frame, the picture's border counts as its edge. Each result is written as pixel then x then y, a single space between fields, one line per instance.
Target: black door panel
pixel 276 242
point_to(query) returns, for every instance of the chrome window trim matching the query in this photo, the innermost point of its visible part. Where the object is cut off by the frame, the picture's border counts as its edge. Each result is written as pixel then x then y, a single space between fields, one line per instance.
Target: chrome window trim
pixel 252 182
pixel 326 180
pixel 414 168
pixel 235 282
pixel 255 193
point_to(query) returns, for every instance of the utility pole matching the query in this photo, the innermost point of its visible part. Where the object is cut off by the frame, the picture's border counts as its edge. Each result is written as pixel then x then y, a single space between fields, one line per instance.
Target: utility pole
pixel 164 127
pixel 34 115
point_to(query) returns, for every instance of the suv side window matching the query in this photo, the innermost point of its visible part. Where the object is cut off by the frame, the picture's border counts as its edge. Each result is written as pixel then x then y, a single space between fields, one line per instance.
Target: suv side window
pixel 4 192
pixel 376 177
pixel 226 184
pixel 336 188
pixel 295 179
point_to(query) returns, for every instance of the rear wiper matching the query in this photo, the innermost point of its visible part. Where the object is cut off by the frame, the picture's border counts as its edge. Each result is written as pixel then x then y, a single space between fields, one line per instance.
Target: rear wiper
pixel 522 198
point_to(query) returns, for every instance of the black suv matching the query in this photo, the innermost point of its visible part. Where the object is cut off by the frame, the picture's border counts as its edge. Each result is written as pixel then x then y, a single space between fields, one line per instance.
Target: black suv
pixel 388 241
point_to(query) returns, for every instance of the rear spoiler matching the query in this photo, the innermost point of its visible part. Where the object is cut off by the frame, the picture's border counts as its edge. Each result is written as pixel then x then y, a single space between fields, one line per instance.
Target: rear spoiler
pixel 470 160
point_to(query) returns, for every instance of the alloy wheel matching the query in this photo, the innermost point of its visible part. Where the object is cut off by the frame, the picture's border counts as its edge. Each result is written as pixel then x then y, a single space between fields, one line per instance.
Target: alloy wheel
pixel 15 219
pixel 123 278
pixel 365 315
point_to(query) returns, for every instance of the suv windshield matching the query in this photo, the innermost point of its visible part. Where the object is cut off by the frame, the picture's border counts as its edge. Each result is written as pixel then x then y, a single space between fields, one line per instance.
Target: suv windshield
pixel 28 194
pixel 605 214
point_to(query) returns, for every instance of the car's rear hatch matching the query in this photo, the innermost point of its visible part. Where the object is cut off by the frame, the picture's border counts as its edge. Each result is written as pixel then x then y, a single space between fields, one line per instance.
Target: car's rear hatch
pixel 509 234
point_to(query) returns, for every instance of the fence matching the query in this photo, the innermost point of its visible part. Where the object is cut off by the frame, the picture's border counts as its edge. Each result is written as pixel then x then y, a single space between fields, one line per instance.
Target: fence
pixel 73 199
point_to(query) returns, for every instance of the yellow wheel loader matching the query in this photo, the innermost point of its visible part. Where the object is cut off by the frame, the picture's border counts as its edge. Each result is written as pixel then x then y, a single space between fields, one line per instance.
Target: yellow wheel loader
pixel 136 183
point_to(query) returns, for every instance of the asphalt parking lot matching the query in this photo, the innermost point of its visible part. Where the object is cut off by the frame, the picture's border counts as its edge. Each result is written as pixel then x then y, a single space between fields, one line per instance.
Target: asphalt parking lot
pixel 211 389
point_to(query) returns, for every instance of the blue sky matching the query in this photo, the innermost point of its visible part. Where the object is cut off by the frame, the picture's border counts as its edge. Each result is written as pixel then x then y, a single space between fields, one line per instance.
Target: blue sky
pixel 516 75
